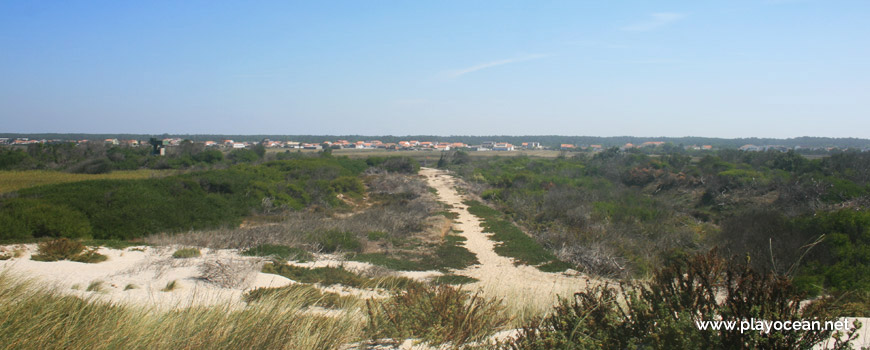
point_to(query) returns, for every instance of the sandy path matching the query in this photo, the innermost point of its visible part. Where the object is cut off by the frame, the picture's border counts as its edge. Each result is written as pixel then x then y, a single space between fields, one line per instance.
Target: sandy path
pixel 498 275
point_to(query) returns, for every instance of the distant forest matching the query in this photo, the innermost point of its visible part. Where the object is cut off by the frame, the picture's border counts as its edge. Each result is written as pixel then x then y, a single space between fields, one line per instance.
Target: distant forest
pixel 546 140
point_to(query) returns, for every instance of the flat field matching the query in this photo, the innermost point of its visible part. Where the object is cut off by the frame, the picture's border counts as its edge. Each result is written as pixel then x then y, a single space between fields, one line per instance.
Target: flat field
pixel 16 180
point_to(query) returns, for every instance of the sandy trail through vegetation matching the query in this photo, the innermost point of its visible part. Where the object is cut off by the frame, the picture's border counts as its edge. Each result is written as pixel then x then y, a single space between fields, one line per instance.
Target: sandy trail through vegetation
pixel 498 276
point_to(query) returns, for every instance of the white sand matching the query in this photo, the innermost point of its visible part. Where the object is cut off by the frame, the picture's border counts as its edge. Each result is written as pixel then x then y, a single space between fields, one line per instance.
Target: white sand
pixel 148 270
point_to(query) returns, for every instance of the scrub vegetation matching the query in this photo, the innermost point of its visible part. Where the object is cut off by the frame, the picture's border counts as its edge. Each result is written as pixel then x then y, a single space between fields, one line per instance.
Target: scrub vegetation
pixel 620 213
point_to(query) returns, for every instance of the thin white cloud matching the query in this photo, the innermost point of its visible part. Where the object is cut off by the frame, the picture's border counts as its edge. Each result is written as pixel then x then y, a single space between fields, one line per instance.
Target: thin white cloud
pixel 453 74
pixel 656 21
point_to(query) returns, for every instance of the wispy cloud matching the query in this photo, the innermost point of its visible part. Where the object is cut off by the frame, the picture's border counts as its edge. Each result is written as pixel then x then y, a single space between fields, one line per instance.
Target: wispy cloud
pixel 656 21
pixel 456 73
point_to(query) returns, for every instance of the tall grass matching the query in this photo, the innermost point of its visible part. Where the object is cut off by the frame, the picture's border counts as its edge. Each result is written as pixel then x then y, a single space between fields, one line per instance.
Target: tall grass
pixel 15 180
pixel 34 317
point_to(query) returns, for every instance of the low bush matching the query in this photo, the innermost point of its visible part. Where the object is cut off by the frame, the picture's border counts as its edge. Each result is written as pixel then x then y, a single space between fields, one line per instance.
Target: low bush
pixel 332 241
pixel 89 256
pixel 281 252
pixel 186 253
pixel 437 314
pixel 376 235
pixel 323 275
pixel 66 249
pixel 664 312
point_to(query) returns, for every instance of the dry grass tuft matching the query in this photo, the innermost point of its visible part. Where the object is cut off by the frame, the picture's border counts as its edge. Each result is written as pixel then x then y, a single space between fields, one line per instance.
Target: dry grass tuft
pixel 43 319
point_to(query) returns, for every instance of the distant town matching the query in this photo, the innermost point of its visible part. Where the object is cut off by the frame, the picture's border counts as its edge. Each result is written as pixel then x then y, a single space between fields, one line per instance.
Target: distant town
pixel 426 145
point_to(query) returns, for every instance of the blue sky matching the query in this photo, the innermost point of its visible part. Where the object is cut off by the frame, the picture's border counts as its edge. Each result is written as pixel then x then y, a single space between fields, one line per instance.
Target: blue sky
pixel 733 68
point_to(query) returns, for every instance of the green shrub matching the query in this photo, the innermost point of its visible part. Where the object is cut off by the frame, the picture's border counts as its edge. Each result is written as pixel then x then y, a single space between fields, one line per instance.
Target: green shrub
pixel 89 256
pixel 405 165
pixel 128 209
pixel 32 218
pixel 332 241
pixel 281 252
pixel 186 253
pixel 376 235
pixel 438 314
pixel 663 313
pixel 323 275
pixel 348 185
pixel 58 249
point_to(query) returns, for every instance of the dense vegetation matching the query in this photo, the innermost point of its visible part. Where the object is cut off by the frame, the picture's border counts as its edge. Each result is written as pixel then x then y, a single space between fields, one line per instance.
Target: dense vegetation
pixel 97 158
pixel 664 312
pixel 622 213
pixel 126 209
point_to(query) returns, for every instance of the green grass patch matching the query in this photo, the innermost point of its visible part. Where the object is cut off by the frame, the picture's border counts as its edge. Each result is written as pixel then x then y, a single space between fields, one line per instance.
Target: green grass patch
pixel 186 253
pixel 322 275
pixel 376 235
pixel 555 266
pixel 448 214
pixel 15 180
pixel 406 263
pixel 453 279
pixel 281 252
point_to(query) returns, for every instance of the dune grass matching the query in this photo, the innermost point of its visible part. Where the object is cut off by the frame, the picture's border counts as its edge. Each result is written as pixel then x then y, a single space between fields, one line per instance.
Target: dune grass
pixel 67 249
pixel 35 317
pixel 438 314
pixel 282 252
pixel 11 181
pixel 186 253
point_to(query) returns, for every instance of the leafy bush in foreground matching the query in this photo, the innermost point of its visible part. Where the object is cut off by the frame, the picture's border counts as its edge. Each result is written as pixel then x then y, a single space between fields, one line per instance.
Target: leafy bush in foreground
pixel 663 313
